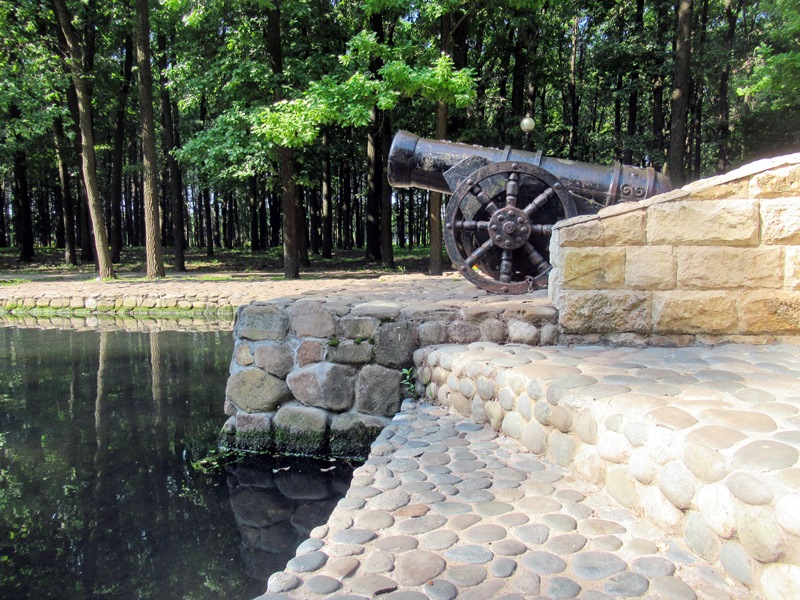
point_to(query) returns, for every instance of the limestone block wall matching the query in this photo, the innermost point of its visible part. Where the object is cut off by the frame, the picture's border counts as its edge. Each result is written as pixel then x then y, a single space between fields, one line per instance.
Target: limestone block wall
pixel 316 376
pixel 714 261
pixel 722 475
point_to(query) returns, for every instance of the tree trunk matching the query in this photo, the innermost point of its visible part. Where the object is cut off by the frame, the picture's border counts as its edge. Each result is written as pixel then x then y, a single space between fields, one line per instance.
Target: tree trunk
pixel 374 187
pixel 155 262
pixel 23 225
pixel 88 158
pixel 435 262
pixel 633 98
pixel 572 86
pixel 659 148
pixel 387 250
pixel 206 193
pixel 118 152
pixel 680 94
pixel 291 216
pixel 291 208
pixel 175 177
pixel 255 238
pixel 67 210
pixel 732 9
pixel 327 212
pixel 375 158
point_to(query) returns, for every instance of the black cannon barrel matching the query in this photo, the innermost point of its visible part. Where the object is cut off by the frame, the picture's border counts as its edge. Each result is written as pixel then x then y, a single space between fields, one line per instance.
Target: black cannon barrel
pixel 420 162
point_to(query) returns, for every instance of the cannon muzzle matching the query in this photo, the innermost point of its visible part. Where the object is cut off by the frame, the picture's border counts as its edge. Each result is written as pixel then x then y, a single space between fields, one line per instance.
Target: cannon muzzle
pixel 423 163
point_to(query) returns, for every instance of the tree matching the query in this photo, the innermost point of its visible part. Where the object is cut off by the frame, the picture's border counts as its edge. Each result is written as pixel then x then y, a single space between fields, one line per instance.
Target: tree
pixel 680 93
pixel 152 221
pixel 74 59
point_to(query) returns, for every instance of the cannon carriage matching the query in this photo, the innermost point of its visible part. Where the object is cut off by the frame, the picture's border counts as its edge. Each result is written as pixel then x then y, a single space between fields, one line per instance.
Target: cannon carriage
pixel 505 202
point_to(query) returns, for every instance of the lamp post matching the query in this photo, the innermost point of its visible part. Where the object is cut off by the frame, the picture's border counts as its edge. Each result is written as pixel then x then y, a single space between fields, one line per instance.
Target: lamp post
pixel 527 124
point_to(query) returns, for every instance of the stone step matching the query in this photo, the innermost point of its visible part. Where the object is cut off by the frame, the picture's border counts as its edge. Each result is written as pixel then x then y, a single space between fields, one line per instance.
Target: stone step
pixel 446 508
pixel 703 442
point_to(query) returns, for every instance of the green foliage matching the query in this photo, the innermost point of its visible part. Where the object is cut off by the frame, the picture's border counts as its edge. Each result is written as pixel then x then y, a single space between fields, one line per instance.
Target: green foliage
pixel 408 381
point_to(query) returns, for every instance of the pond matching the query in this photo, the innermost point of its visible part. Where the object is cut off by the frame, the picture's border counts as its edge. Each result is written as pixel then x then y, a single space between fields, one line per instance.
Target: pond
pixel 110 486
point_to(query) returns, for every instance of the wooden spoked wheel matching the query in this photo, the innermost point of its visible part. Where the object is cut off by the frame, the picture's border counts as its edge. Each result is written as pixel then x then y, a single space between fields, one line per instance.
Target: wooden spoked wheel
pixel 498 225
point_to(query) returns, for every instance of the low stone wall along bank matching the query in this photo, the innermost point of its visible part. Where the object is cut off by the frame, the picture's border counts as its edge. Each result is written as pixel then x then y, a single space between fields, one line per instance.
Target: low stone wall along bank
pixel 316 376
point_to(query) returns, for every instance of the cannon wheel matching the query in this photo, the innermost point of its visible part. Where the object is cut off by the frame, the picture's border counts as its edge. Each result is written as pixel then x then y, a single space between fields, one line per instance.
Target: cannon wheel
pixel 498 225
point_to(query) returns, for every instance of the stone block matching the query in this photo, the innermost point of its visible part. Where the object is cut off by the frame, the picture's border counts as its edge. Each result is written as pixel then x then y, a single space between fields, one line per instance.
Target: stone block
pixel 460 403
pixel 378 391
pixel 309 351
pixel 769 312
pixel 395 344
pixel 536 311
pixel 485 388
pixel 300 429
pixel 593 268
pixel 624 228
pixel 352 433
pixel 242 355
pixel 706 463
pixel 791 273
pixel 494 412
pixel 350 353
pixel 780 221
pixel 275 358
pixel 586 426
pixel 613 447
pixel 621 486
pixel 699 537
pixel 562 447
pixel 715 189
pixel 513 425
pixel 534 438
pixel 478 311
pixel 776 183
pixel 478 414
pixel 737 564
pixel 432 332
pixel 494 330
pixel 261 322
pixel 523 332
pixel 677 484
pixel 589 465
pixel 612 311
pixel 642 466
pixel 761 534
pixel 684 311
pixel 577 234
pixel 658 508
pixel 310 319
pixel 358 327
pixel 717 267
pixel 706 223
pixel 650 268
pixel 325 385
pixel 253 390
pixel 463 332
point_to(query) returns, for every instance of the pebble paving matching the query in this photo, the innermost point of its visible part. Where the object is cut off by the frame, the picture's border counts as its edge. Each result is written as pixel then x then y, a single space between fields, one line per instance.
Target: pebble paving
pixel 522 537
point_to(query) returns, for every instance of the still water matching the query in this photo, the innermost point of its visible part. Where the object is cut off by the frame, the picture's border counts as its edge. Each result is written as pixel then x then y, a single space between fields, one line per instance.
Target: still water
pixel 109 485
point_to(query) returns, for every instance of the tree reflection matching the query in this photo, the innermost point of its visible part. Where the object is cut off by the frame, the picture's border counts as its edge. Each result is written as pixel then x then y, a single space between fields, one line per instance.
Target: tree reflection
pixel 98 494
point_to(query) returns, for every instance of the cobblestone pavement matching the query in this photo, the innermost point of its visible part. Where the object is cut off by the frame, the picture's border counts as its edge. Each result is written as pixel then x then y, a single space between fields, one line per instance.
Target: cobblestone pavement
pixel 196 293
pixel 445 508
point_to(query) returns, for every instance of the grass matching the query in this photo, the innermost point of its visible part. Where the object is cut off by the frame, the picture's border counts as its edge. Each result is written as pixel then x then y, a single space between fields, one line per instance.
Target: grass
pixel 226 264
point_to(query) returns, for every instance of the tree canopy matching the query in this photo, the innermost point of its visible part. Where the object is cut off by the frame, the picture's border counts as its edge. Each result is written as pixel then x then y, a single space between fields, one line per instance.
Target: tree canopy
pixel 273 117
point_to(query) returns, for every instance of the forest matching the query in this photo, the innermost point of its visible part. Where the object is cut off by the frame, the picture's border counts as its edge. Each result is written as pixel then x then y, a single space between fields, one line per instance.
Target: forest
pixel 265 124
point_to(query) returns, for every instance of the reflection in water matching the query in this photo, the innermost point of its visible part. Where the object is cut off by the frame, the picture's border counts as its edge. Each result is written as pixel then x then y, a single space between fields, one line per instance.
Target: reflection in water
pixel 278 506
pixel 101 434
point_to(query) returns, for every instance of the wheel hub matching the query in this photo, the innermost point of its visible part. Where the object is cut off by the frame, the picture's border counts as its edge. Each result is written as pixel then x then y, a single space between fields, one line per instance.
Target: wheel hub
pixel 509 227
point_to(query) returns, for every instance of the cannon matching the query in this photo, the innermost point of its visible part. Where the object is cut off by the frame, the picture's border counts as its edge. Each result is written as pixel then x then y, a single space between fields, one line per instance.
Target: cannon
pixel 505 202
